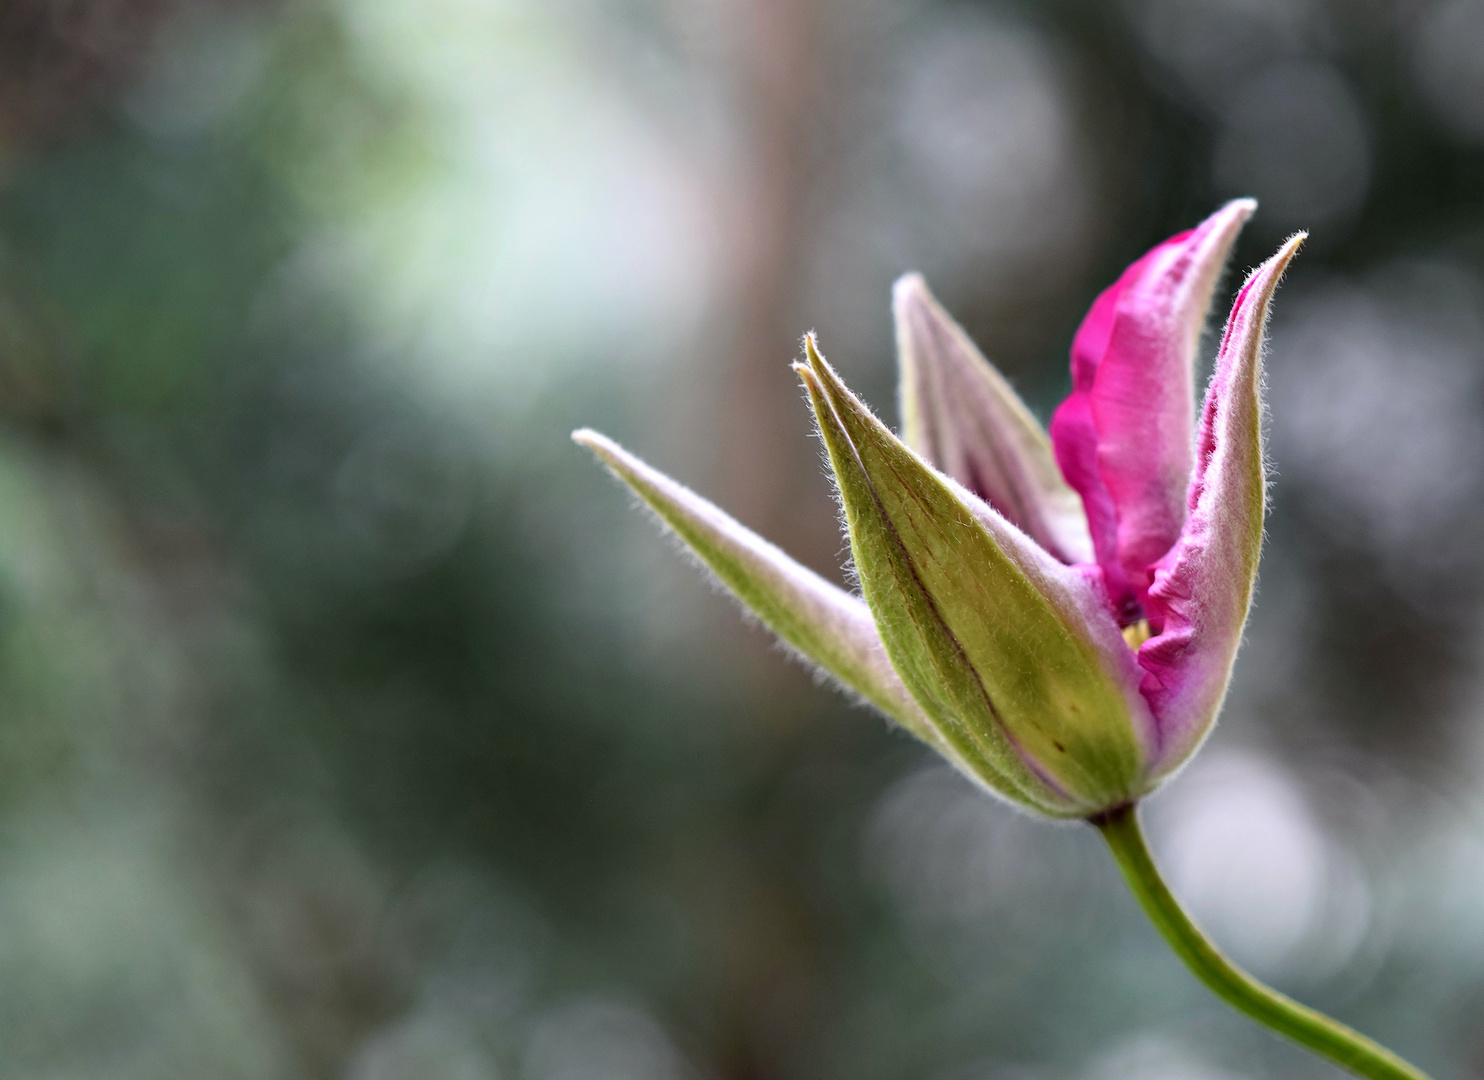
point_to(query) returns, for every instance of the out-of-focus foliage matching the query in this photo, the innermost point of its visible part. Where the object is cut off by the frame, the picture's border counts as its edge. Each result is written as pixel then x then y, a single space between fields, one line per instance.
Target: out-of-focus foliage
pixel 352 726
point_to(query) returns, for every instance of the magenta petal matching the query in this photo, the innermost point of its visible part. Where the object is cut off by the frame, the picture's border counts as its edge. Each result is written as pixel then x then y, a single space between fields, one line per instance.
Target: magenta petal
pixel 1075 441
pixel 1133 371
pixel 1096 330
pixel 1203 587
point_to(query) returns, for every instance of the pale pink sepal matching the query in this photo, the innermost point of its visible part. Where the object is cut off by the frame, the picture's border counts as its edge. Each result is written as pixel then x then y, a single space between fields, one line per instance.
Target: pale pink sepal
pixel 1123 437
pixel 1203 587
pixel 826 626
pixel 962 417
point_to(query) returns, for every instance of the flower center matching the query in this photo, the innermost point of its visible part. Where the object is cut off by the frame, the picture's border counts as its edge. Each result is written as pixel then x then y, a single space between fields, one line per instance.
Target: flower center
pixel 1137 633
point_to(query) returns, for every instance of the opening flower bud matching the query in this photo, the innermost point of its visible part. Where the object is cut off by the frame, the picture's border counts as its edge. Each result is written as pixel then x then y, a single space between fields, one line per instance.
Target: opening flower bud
pixel 1058 616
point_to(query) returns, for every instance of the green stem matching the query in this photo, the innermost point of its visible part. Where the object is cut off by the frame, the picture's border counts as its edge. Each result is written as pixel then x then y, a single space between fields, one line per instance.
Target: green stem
pixel 1328 1038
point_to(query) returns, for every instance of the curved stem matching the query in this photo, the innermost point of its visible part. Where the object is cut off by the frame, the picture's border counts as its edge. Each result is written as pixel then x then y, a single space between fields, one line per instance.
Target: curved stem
pixel 1328 1038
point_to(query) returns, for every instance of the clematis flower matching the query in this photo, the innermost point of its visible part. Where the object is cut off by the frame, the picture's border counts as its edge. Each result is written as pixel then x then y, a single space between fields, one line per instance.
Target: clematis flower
pixel 1058 614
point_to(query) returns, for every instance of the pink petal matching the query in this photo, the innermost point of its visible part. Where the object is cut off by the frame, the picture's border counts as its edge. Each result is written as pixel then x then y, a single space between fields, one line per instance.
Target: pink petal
pixel 1203 587
pixel 1075 440
pixel 1123 437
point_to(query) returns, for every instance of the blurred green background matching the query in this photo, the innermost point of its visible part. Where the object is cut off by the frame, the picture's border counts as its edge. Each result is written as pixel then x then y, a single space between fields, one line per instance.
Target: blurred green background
pixel 353 725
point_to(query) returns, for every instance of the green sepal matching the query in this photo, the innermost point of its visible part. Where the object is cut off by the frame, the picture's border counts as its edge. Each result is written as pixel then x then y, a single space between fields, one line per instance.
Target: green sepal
pixel 827 626
pixel 985 633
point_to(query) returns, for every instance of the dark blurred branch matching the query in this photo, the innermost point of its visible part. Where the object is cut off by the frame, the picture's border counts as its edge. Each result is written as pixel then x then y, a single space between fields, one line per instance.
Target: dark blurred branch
pixel 784 63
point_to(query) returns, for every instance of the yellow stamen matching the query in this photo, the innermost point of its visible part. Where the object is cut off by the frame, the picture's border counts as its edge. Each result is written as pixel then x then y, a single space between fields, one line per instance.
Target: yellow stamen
pixel 1137 633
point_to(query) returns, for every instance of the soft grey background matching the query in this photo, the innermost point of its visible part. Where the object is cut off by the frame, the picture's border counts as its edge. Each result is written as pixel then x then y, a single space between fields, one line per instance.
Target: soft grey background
pixel 352 724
